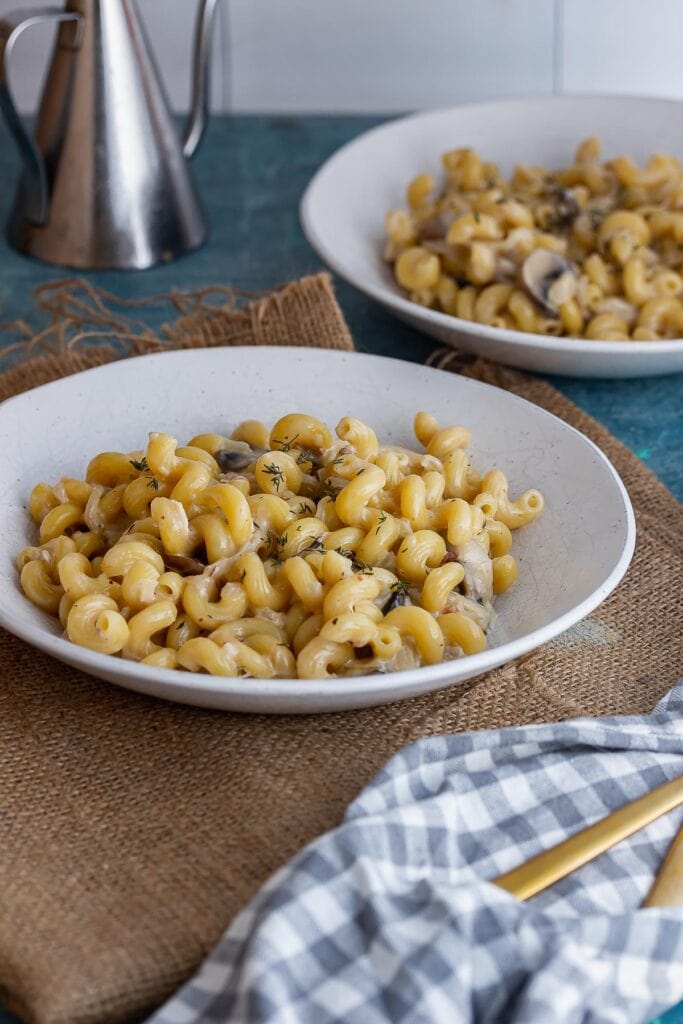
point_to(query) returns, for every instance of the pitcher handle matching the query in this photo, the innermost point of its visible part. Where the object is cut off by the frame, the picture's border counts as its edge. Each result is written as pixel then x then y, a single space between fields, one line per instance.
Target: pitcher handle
pixel 11 27
pixel 199 106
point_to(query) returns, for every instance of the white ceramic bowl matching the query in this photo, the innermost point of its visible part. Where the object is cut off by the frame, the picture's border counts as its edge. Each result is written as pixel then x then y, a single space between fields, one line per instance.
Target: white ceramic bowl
pixel 344 206
pixel 570 559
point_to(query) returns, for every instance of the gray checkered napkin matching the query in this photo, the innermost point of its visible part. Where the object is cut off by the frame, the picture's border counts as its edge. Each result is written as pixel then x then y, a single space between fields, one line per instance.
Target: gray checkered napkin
pixel 390 916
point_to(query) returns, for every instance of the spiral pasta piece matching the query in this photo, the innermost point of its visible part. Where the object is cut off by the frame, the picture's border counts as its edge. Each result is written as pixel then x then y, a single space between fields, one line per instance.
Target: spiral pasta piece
pixel 290 552
pixel 579 251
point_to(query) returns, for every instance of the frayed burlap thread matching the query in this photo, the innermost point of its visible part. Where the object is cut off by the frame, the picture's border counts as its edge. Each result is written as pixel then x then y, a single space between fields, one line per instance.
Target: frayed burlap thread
pixel 88 327
pixel 132 830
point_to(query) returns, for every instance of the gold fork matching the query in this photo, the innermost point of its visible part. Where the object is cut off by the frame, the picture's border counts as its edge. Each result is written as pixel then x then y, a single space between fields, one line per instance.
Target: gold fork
pixel 667 888
pixel 548 867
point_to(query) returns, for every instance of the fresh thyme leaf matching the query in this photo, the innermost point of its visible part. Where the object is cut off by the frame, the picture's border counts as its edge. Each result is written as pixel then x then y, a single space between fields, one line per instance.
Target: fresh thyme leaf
pixel 301 509
pixel 276 473
pixel 399 587
pixel 285 446
pixel 303 457
pixel 337 461
pixel 380 522
pixel 361 566
pixel 153 483
pixel 274 540
pixel 345 552
pixel 316 545
pixel 140 464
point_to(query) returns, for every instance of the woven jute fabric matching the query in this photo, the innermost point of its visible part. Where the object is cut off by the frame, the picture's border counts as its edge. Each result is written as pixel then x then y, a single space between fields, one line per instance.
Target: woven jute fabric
pixel 132 830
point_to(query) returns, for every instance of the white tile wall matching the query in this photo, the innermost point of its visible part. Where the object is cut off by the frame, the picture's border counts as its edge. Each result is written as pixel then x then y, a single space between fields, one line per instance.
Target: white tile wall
pixel 393 55
pixel 626 46
pixel 386 55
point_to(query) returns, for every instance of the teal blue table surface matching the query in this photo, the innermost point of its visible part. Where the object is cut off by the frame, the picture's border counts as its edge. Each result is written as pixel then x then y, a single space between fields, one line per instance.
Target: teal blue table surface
pixel 251 173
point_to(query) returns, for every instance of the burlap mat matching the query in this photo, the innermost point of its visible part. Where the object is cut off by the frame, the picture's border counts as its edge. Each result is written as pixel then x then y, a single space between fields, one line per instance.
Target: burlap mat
pixel 131 830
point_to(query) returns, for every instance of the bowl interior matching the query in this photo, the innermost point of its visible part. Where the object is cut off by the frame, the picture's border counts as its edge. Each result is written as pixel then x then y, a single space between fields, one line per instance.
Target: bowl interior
pixel 367 177
pixel 569 559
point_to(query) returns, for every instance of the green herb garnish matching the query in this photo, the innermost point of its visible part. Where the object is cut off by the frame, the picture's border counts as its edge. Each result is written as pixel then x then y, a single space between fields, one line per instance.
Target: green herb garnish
pixel 285 446
pixel 276 473
pixel 361 566
pixel 140 464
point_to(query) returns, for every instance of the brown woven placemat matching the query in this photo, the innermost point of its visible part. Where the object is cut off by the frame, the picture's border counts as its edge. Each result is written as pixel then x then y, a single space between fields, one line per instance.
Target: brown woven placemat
pixel 132 831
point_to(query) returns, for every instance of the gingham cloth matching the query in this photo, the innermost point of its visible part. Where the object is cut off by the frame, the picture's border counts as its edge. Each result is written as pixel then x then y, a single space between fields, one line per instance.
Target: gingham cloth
pixel 390 916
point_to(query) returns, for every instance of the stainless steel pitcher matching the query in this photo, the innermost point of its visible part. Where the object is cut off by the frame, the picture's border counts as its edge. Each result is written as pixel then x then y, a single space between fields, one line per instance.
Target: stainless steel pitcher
pixel 105 180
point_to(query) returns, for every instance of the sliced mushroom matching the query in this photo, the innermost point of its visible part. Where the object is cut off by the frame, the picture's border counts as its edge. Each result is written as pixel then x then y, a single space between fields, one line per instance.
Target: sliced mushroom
pixel 437 226
pixel 185 564
pixel 398 598
pixel 618 307
pixel 478 581
pixel 235 456
pixel 439 246
pixel 549 279
pixel 566 207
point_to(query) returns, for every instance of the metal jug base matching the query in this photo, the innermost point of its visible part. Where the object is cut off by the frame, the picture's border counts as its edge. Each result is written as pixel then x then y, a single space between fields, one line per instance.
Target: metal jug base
pixel 44 244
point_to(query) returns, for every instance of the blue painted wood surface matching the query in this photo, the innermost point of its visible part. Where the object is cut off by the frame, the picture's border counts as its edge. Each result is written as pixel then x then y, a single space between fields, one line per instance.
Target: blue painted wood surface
pixel 251 172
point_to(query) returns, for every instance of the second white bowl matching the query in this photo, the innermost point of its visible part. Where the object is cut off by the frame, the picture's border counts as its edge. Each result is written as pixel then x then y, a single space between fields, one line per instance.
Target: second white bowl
pixel 344 206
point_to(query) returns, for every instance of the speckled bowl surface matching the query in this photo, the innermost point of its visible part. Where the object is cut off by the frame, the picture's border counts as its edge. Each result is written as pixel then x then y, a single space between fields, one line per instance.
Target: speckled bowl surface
pixel 570 559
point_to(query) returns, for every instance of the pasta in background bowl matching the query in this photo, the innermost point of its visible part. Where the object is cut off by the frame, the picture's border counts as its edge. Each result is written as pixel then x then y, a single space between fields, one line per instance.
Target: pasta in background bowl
pixel 508 249
pixel 346 561
pixel 593 250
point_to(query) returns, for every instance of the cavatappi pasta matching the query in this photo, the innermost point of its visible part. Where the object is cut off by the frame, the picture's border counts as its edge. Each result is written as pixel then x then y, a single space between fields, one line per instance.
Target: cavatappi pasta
pixel 279 553
pixel 594 250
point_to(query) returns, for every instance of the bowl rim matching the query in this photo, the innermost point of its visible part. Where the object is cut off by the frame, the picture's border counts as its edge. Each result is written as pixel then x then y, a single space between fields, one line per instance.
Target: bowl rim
pixel 396 301
pixel 286 691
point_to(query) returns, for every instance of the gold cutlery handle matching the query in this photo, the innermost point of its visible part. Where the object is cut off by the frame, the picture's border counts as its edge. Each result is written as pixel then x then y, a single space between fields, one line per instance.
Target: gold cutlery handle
pixel 548 867
pixel 667 888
